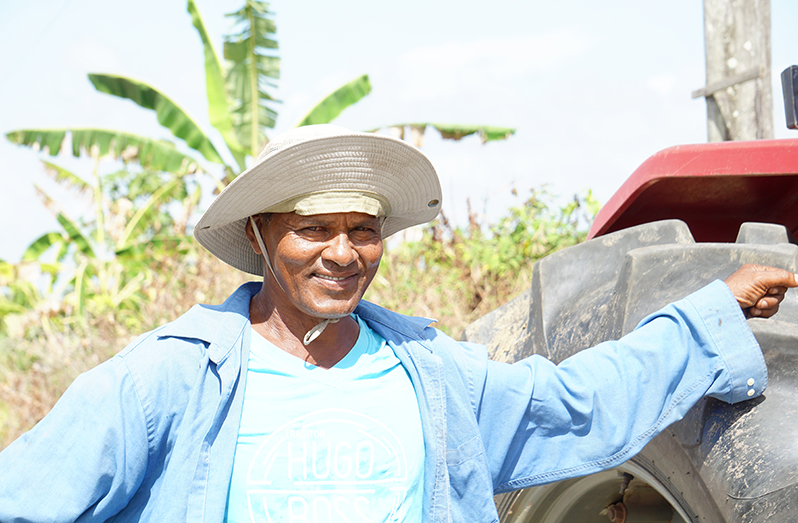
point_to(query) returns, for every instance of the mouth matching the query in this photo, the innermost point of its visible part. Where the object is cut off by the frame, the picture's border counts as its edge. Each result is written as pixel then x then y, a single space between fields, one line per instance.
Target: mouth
pixel 336 280
pixel 331 278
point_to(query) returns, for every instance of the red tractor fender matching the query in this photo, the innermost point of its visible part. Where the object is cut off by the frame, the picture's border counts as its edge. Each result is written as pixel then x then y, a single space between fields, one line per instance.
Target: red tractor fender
pixel 712 187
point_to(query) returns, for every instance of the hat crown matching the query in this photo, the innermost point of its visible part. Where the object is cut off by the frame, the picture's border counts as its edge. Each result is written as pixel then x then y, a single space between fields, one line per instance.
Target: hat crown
pixel 299 135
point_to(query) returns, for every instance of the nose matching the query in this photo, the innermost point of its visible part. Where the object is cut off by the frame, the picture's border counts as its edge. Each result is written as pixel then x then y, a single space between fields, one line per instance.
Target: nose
pixel 340 250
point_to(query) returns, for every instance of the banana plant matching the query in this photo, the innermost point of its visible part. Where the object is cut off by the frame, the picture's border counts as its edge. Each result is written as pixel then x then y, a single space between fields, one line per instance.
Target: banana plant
pixel 100 266
pixel 240 107
pixel 19 295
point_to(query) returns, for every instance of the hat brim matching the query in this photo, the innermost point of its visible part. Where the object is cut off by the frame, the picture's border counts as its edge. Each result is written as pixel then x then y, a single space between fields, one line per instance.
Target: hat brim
pixel 395 170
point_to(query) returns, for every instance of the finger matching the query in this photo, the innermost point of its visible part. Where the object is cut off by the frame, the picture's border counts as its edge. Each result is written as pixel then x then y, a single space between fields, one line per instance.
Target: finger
pixel 769 302
pixel 774 277
pixel 760 313
pixel 777 290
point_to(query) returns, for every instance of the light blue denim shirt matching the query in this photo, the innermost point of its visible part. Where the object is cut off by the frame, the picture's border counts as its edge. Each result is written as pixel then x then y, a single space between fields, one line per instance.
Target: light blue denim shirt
pixel 150 434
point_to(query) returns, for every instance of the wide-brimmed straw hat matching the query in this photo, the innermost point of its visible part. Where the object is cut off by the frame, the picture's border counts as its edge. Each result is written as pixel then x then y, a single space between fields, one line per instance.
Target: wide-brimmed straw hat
pixel 393 178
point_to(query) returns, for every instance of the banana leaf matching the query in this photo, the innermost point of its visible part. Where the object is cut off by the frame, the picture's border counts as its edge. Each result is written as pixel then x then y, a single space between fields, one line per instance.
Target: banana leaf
pixel 7 273
pixel 334 103
pixel 219 107
pixel 252 66
pixel 40 245
pixel 9 307
pixel 67 178
pixel 158 155
pixel 50 268
pixel 170 115
pixel 486 133
pixel 80 288
pixel 75 235
pixel 146 206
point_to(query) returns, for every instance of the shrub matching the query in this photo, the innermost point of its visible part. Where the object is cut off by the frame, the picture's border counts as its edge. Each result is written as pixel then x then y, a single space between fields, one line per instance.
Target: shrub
pixel 459 274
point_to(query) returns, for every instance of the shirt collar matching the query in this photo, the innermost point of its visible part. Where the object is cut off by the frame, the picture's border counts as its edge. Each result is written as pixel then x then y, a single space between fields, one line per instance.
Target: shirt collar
pixel 221 325
pixel 217 325
pixel 384 322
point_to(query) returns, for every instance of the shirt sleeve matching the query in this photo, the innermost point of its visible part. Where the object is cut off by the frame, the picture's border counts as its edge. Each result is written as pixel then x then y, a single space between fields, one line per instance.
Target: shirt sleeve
pixel 543 422
pixel 85 459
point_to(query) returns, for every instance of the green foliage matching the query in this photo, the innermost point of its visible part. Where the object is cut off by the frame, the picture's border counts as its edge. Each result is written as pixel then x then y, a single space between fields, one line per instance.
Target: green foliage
pixel 17 294
pixel 334 103
pixel 250 51
pixel 236 106
pixel 486 133
pixel 154 154
pixel 43 348
pixel 170 115
pixel 103 263
pixel 41 245
pixel 457 275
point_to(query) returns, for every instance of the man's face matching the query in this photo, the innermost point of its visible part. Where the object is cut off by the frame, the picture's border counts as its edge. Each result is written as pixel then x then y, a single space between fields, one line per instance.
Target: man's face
pixel 324 262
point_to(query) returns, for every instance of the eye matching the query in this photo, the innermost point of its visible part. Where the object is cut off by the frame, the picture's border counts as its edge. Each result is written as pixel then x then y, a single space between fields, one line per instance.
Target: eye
pixel 312 232
pixel 365 233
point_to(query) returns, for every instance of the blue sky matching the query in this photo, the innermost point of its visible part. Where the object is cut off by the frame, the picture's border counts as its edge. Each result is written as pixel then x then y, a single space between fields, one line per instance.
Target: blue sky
pixel 593 88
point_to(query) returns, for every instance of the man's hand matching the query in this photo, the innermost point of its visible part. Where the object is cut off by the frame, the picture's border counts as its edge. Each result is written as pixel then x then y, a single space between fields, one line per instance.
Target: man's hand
pixel 760 289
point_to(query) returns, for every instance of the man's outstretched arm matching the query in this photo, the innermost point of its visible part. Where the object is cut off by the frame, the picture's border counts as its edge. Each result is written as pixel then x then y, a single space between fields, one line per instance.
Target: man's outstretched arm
pixel 601 406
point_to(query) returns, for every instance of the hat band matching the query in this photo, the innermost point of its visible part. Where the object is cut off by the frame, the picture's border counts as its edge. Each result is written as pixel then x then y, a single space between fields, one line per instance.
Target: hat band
pixel 326 202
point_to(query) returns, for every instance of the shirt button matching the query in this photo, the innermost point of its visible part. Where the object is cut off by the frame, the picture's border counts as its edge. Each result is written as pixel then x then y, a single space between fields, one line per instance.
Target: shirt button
pixel 750 382
pixel 751 392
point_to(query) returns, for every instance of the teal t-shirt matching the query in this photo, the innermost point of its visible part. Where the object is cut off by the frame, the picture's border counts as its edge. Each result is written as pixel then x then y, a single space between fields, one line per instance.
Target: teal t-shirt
pixel 318 445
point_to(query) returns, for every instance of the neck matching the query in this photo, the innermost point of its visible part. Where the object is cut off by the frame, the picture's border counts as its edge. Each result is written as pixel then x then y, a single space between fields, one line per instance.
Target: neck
pixel 287 331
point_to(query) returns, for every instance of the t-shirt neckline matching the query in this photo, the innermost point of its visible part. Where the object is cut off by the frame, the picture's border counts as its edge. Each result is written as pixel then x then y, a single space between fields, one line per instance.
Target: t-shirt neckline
pixel 271 354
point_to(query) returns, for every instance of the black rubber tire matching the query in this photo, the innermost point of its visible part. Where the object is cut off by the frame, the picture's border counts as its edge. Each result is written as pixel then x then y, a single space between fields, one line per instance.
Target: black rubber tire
pixel 721 463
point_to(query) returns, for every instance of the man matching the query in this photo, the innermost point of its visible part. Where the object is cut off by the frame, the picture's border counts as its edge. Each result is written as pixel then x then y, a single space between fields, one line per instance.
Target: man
pixel 296 401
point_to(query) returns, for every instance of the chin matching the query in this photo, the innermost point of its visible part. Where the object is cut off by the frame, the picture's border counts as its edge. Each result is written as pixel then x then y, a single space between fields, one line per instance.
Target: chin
pixel 336 310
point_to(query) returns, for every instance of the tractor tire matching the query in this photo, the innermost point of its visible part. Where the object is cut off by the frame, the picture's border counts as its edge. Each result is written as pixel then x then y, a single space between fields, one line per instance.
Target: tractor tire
pixel 722 463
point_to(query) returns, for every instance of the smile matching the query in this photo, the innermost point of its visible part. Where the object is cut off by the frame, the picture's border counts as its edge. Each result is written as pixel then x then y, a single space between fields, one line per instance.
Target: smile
pixel 331 278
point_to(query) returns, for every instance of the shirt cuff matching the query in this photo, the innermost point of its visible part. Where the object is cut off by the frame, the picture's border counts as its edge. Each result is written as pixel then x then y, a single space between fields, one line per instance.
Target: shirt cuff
pixel 734 340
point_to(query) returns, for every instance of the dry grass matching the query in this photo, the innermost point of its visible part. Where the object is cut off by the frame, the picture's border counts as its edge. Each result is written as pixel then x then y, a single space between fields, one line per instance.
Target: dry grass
pixel 34 372
pixel 455 298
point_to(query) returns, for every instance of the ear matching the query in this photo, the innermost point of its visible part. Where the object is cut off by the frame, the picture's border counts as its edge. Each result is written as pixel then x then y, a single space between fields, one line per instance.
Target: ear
pixel 259 222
